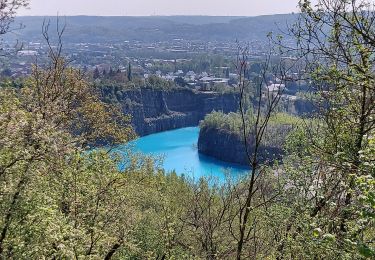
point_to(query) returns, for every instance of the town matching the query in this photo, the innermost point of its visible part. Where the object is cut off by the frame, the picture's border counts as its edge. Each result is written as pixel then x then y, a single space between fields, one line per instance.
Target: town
pixel 199 65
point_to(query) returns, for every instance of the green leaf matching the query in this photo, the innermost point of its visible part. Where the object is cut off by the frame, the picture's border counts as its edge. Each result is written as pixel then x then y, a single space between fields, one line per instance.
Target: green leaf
pixel 317 232
pixel 365 251
pixel 329 237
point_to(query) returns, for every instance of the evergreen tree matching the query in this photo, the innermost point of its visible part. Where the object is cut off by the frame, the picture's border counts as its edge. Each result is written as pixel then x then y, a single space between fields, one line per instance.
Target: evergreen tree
pixel 111 72
pixel 130 76
pixel 227 73
pixel 96 73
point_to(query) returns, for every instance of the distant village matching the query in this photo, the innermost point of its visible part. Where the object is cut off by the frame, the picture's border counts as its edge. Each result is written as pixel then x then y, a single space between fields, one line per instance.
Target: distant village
pixel 170 61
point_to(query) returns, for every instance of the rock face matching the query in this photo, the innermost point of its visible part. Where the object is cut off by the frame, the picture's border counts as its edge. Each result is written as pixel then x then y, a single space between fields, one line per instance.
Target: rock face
pixel 155 110
pixel 230 147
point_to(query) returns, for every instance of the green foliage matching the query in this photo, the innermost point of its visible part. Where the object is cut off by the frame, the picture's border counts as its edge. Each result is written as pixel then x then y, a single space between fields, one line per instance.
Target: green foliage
pixel 280 125
pixel 119 82
pixel 231 122
pixel 155 82
pixel 58 200
pixel 224 89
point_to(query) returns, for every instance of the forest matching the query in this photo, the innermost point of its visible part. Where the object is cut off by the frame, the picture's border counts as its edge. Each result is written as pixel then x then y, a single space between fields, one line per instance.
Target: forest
pixel 63 196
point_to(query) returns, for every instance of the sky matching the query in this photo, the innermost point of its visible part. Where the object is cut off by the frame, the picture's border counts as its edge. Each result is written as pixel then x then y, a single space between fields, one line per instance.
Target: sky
pixel 160 7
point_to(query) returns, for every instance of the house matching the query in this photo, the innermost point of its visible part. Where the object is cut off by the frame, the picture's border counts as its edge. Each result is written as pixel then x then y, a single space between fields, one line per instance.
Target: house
pixel 233 76
pixel 286 97
pixel 191 75
pixel 27 53
pixel 204 74
pixel 275 87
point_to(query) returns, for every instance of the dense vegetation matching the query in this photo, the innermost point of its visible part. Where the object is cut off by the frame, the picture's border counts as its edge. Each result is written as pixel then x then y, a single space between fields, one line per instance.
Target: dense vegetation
pixel 59 201
pixel 233 121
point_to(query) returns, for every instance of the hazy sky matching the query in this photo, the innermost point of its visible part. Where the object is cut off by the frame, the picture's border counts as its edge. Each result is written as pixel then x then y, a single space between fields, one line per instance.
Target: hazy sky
pixel 160 7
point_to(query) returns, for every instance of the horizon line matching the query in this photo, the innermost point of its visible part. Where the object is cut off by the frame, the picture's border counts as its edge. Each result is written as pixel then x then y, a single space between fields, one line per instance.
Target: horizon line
pixel 167 15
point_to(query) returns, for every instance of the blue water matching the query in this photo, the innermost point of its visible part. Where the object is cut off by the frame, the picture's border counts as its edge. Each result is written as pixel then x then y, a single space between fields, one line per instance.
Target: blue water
pixel 180 153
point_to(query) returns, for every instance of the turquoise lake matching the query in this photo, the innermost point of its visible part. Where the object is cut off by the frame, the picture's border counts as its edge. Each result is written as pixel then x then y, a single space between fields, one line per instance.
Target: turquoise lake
pixel 180 153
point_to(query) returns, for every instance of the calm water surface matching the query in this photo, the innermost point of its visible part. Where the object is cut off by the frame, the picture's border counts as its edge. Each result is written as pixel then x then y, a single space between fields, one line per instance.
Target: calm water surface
pixel 180 153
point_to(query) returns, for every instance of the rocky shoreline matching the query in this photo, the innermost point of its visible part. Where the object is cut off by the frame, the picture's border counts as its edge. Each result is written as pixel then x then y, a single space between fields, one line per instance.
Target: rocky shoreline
pixel 154 110
pixel 230 147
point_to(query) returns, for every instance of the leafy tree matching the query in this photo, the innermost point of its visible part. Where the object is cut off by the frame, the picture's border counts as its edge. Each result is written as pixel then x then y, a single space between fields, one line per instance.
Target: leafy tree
pixel 44 126
pixel 156 82
pixel 6 72
pixel 8 10
pixel 180 82
pixel 328 175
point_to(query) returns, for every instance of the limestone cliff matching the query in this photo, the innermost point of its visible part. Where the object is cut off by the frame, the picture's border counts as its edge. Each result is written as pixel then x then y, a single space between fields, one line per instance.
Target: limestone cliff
pixel 230 147
pixel 155 110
